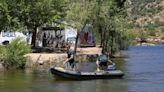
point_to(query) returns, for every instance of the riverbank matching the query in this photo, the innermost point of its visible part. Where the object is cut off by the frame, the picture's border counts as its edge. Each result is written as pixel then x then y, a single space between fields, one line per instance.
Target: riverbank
pixel 45 60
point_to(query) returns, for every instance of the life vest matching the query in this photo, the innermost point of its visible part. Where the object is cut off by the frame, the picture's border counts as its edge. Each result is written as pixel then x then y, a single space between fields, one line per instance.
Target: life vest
pixel 69 53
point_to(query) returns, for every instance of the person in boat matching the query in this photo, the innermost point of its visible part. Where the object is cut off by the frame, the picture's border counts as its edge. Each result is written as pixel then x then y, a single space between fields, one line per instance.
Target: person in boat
pixel 70 61
pixel 103 63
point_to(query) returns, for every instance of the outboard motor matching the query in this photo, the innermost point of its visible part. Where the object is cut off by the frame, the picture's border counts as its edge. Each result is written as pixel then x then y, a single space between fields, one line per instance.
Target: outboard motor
pixel 111 67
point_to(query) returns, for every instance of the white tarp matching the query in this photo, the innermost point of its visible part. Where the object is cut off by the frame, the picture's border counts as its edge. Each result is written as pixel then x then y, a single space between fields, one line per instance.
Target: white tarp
pixel 70 34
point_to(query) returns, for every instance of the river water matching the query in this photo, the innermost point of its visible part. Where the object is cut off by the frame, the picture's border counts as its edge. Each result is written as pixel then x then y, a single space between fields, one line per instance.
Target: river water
pixel 143 67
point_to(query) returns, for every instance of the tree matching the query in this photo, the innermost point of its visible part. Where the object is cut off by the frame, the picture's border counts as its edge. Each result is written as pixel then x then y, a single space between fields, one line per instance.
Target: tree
pixel 77 15
pixel 8 20
pixel 107 18
pixel 30 14
pixel 111 23
pixel 40 12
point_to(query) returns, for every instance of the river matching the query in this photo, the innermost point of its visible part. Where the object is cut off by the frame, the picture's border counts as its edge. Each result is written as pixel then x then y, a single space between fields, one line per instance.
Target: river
pixel 143 67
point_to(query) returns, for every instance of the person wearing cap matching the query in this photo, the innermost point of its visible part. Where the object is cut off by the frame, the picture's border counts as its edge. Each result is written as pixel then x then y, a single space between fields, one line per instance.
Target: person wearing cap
pixel 103 63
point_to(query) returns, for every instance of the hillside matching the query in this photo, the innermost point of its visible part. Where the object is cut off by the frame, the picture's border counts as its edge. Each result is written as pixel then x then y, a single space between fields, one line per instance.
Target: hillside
pixel 147 12
pixel 148 16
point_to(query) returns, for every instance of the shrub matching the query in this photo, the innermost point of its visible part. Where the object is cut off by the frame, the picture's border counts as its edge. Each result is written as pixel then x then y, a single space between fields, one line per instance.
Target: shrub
pixel 12 55
pixel 162 38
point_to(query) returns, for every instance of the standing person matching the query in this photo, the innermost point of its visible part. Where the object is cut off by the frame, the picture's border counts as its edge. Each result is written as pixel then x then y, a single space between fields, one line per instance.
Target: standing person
pixel 70 61
pixel 103 63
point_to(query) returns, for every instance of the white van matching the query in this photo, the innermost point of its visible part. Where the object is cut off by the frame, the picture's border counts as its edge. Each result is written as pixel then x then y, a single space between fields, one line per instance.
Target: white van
pixel 7 37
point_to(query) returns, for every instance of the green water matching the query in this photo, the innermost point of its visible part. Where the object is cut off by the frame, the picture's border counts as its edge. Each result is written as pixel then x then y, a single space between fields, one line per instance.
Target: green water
pixel 143 68
pixel 44 82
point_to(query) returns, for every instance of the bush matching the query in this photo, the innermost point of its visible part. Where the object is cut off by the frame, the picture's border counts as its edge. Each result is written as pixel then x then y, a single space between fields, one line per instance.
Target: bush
pixel 162 38
pixel 152 33
pixel 12 55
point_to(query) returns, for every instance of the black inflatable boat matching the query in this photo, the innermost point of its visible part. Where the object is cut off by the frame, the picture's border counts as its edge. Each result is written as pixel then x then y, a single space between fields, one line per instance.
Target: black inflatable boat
pixel 61 73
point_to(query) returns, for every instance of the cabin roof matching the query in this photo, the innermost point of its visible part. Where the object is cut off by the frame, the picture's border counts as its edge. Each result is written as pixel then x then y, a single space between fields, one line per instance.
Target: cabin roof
pixel 52 28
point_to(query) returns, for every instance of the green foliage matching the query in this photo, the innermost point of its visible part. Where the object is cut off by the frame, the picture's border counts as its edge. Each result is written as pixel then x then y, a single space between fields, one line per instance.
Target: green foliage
pixel 12 55
pixel 107 18
pixel 153 26
pixel 143 35
pixel 114 25
pixel 162 38
pixel 9 16
pixel 20 15
pixel 77 13
pixel 15 14
pixel 39 12
pixel 152 32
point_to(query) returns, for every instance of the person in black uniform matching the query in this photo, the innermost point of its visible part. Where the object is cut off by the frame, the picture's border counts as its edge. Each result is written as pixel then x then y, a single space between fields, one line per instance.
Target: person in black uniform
pixel 70 61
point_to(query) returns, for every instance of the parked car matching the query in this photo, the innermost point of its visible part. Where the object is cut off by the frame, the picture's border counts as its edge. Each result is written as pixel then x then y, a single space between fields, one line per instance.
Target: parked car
pixel 7 37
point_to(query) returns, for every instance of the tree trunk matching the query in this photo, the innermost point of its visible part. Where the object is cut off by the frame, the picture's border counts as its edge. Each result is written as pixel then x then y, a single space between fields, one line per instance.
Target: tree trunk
pixel 76 43
pixel 33 42
pixel 104 39
pixel 111 52
pixel 77 37
pixel 101 36
pixel 44 40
